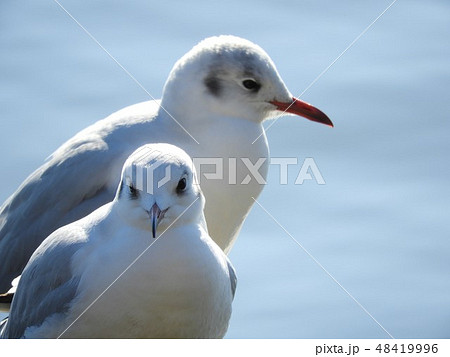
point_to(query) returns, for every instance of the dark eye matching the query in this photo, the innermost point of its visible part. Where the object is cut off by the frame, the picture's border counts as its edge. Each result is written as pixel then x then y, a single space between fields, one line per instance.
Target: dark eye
pixel 251 85
pixel 181 185
pixel 133 193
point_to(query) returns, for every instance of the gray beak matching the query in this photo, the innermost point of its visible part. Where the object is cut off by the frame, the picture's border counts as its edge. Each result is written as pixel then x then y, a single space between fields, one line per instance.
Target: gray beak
pixel 155 218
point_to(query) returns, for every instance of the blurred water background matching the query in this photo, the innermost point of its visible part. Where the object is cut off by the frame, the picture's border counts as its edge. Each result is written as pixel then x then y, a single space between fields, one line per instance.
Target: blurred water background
pixel 380 225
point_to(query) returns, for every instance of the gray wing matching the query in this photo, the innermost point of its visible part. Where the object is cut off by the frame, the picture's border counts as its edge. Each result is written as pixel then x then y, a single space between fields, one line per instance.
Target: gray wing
pixel 79 177
pixel 42 203
pixel 47 285
pixel 233 277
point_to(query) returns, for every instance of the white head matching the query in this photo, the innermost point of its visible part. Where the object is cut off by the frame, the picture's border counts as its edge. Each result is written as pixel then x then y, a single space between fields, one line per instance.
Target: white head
pixel 231 77
pixel 158 184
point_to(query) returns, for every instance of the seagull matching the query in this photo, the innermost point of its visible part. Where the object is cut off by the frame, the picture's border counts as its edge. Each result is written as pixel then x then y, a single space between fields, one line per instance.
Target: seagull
pixel 213 105
pixel 105 276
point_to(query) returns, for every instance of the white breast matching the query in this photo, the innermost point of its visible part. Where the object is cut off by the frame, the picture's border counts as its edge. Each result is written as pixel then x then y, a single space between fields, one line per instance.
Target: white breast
pixel 179 288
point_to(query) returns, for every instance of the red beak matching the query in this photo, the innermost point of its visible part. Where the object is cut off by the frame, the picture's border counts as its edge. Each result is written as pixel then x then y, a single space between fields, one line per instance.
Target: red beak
pixel 306 110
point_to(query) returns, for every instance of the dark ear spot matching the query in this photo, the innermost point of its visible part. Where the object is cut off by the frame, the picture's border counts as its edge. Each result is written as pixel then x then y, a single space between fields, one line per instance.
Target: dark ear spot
pixel 213 85
pixel 133 193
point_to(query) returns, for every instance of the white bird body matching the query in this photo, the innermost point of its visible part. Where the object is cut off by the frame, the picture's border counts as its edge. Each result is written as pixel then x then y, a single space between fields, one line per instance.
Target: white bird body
pixel 180 287
pixel 213 106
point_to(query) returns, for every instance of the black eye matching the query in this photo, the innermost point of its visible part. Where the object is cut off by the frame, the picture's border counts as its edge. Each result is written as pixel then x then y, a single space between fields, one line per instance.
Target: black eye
pixel 133 193
pixel 181 185
pixel 251 85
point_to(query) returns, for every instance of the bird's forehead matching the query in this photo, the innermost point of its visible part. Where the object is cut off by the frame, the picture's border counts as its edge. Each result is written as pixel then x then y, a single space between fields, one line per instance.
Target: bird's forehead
pixel 159 168
pixel 158 154
pixel 243 61
pixel 154 166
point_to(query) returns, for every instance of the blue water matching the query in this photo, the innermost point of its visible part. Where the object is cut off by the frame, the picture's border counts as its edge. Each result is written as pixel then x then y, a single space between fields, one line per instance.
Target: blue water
pixel 380 224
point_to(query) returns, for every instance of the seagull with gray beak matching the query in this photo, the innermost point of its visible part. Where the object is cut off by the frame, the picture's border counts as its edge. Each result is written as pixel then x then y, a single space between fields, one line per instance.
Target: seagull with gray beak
pixel 141 266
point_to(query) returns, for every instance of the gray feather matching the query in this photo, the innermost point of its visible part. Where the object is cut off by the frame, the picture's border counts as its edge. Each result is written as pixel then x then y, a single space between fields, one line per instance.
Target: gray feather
pixel 47 285
pixel 73 182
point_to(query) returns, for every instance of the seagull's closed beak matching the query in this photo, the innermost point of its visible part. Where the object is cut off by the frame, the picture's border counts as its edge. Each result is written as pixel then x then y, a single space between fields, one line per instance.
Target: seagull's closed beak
pixel 155 218
pixel 303 109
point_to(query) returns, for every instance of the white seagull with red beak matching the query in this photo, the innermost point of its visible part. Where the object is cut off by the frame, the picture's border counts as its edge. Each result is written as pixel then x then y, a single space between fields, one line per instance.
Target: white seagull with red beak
pixel 214 103
pixel 105 276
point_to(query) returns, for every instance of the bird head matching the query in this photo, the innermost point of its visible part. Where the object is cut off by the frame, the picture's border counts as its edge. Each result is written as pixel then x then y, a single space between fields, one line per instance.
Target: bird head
pixel 231 77
pixel 159 188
